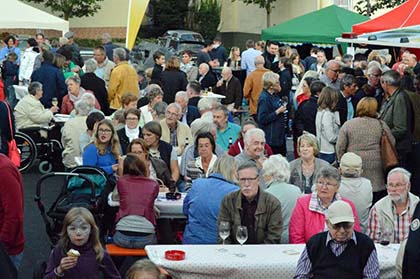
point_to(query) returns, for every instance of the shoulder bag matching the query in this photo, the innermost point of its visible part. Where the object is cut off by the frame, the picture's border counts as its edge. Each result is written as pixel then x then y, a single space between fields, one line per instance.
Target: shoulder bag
pixel 14 152
pixel 388 151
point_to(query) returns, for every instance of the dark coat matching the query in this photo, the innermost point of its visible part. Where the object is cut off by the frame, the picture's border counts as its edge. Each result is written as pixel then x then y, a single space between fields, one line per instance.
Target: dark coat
pixel 209 80
pixel 305 117
pixel 172 82
pixel 308 61
pixel 157 71
pixel 270 122
pixel 341 107
pixel 269 64
pixel 233 92
pixel 109 47
pixel 124 141
pixel 5 133
pixel 90 81
pixel 220 54
pixel 285 82
pixel 53 83
pixel 163 173
pixel 192 114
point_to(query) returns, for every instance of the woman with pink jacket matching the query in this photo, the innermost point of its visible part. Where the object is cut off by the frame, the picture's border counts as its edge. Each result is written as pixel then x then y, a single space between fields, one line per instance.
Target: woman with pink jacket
pixel 308 217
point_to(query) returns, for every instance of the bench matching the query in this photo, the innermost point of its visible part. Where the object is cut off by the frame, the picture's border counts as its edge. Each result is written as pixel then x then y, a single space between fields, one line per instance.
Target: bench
pixel 114 250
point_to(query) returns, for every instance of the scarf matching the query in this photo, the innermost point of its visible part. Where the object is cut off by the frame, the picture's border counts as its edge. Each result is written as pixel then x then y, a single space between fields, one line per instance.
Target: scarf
pixel 74 98
pixel 131 133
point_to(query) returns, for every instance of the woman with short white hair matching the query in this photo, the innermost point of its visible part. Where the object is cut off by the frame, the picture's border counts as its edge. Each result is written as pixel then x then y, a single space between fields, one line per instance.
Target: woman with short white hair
pixel 75 93
pixel 276 172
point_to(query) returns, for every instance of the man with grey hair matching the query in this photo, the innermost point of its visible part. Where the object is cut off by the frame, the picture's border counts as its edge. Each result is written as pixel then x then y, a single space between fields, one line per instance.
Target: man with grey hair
pixel 348 90
pixel 189 113
pixel 253 85
pixel 227 132
pixel 90 81
pixel 330 74
pixel 372 88
pixel 250 206
pixel 397 113
pixel 73 129
pixel 174 131
pixel 108 45
pixel 230 87
pixel 205 107
pixel 254 141
pixel 248 57
pixel 104 65
pixel 207 78
pixel 123 79
pixel 390 217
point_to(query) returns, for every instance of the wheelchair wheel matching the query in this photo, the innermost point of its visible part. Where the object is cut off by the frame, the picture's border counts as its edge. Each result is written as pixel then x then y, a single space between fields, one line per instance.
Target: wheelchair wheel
pixel 45 167
pixel 27 148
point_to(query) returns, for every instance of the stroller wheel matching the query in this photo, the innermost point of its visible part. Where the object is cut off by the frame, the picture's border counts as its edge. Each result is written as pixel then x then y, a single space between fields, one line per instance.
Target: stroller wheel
pixel 45 167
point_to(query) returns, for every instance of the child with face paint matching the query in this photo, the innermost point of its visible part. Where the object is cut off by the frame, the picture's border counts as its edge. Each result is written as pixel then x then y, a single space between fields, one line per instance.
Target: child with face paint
pixel 144 269
pixel 80 233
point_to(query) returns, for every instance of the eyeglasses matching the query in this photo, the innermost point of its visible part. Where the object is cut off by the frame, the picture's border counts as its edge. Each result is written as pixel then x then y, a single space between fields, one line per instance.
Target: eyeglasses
pixel 335 71
pixel 373 75
pixel 246 179
pixel 396 186
pixel 132 118
pixel 104 131
pixel 344 225
pixel 327 184
pixel 168 113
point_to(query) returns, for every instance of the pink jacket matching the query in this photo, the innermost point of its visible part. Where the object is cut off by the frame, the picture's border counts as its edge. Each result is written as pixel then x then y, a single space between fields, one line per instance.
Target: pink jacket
pixel 304 223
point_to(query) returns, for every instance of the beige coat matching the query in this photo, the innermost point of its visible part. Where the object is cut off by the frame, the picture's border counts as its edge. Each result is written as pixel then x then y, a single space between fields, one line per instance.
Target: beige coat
pixel 70 135
pixel 29 112
pixel 182 133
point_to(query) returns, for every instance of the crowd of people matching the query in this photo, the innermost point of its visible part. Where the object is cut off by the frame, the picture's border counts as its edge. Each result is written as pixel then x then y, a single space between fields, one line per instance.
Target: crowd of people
pixel 154 130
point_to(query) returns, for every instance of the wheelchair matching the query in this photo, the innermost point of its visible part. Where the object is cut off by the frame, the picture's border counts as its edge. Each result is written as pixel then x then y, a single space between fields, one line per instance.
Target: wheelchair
pixel 33 145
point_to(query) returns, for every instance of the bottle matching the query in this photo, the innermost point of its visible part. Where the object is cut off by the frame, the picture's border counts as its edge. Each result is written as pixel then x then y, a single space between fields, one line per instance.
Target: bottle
pixel 230 142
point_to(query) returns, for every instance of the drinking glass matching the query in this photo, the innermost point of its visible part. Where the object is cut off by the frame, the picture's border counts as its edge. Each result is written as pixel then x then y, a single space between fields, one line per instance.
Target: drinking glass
pixel 54 101
pixel 242 234
pixel 385 236
pixel 224 231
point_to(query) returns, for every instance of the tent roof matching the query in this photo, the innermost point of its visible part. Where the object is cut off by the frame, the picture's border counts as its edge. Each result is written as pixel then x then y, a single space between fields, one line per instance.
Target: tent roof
pixel 19 15
pixel 406 14
pixel 321 26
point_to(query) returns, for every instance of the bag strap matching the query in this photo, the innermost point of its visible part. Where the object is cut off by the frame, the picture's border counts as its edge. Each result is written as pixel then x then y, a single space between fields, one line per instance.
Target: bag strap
pixel 10 119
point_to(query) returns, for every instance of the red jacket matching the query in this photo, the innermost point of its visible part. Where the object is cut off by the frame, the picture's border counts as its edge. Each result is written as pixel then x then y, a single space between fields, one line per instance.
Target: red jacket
pixel 11 207
pixel 137 197
pixel 67 105
pixel 235 149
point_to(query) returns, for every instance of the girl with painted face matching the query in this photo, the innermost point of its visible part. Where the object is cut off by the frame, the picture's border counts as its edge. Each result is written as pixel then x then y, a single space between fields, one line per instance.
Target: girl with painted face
pixel 105 149
pixel 80 233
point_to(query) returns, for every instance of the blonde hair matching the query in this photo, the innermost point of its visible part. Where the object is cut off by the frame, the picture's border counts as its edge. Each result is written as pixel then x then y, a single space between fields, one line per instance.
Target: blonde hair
pixel 70 217
pixel 143 267
pixel 311 140
pixel 269 79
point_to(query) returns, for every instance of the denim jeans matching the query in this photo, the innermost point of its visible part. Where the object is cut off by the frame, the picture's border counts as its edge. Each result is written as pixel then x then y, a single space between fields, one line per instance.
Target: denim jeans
pixel 17 260
pixel 330 158
pixel 137 242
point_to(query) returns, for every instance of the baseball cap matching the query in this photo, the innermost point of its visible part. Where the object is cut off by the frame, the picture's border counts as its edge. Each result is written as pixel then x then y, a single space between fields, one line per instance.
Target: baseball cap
pixel 350 163
pixel 69 34
pixel 340 211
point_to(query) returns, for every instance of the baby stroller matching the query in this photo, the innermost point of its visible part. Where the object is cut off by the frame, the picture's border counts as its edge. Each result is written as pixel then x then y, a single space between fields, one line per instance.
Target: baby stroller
pixel 82 187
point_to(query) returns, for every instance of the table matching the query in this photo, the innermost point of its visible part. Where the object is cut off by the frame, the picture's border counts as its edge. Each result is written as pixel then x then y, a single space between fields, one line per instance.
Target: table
pixel 260 261
pixel 171 209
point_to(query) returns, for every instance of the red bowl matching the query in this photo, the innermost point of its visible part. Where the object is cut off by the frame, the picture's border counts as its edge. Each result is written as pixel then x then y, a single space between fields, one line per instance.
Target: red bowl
pixel 175 255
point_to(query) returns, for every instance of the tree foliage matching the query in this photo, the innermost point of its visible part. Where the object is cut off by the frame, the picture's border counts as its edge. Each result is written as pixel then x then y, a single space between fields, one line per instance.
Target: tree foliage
pixel 207 18
pixel 71 8
pixel 362 5
pixel 169 14
pixel 268 5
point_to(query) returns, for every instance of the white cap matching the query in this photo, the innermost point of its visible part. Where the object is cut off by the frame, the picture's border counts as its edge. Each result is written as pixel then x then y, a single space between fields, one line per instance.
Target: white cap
pixel 340 211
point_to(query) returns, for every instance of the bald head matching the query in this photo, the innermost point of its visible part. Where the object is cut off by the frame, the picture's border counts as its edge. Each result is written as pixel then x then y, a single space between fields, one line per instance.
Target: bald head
pixel 259 60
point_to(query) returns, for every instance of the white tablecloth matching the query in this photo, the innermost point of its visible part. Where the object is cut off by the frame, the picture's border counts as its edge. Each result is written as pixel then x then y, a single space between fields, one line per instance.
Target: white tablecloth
pixel 260 261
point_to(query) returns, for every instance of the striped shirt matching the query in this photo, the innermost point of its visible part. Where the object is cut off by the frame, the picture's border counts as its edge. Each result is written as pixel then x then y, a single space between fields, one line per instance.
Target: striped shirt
pixel 304 266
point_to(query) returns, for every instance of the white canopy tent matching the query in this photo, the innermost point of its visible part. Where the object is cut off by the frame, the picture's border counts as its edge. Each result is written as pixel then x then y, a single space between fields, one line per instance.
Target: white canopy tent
pixel 20 15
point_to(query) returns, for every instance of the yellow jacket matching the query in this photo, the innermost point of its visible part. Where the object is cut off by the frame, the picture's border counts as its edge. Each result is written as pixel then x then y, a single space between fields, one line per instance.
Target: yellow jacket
pixel 123 80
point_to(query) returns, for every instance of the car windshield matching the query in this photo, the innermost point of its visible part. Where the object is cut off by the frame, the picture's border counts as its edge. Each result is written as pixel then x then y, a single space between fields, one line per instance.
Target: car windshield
pixel 192 37
pixel 193 47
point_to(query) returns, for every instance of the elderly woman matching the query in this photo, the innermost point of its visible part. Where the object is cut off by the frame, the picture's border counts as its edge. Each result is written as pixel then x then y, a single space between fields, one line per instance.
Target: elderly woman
pixel 30 112
pixel 276 175
pixel 362 136
pixel 152 132
pixel 306 90
pixel 155 95
pixel 157 167
pixel 271 113
pixel 202 203
pixel 104 151
pixel 356 188
pixel 300 87
pixel 308 217
pixel 75 93
pixel 173 80
pixel 305 168
pixel 90 81
pixel 327 123
pixel 131 129
pixel 205 146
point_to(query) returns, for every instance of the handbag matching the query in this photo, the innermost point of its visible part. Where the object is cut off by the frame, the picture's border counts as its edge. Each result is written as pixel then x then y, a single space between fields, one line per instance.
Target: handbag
pixel 14 152
pixel 388 151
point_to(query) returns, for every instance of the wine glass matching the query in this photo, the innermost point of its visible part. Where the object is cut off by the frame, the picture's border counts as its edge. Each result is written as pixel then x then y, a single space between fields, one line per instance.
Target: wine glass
pixel 54 101
pixel 385 236
pixel 242 234
pixel 224 232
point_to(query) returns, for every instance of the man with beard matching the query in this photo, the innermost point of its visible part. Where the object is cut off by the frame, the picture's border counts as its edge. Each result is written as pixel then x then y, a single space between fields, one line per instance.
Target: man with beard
pixel 392 214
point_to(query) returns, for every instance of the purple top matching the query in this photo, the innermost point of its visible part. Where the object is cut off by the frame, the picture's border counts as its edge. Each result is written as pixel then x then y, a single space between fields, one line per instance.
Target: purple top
pixel 87 266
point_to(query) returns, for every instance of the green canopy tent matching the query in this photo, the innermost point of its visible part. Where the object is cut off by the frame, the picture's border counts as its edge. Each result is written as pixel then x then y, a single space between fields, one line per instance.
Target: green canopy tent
pixel 319 27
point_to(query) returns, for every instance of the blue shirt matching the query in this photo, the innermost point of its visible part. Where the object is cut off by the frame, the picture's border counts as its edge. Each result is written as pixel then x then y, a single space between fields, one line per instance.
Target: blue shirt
pixel 91 157
pixel 5 51
pixel 350 109
pixel 248 59
pixel 232 131
pixel 202 205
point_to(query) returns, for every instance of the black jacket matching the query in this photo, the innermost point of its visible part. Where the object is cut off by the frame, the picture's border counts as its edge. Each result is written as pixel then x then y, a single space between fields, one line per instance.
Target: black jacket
pixel 172 82
pixel 192 114
pixel 209 80
pixel 305 117
pixel 124 141
pixel 232 90
pixel 341 107
pixel 90 81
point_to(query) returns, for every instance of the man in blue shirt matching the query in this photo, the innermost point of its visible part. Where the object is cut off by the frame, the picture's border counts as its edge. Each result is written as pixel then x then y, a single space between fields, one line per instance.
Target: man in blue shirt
pixel 227 132
pixel 248 57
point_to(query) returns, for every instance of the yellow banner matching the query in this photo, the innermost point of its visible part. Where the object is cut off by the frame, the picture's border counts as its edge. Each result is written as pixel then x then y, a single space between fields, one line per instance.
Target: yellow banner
pixel 136 11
